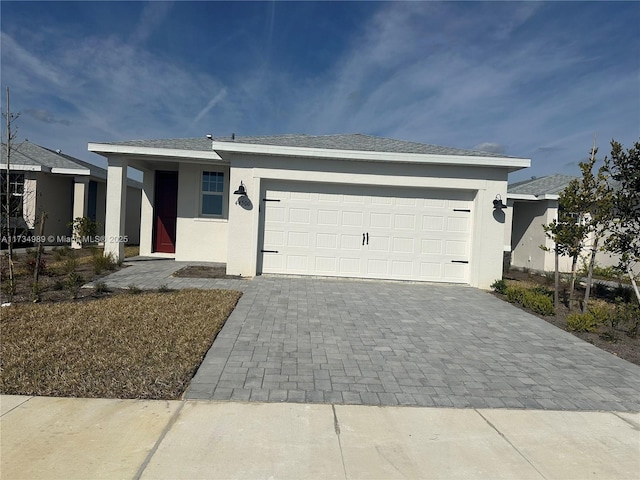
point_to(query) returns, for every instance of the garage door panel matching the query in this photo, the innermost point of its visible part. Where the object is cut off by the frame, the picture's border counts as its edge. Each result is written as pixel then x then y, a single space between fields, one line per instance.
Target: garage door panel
pixel 403 245
pixel 349 266
pixel 299 215
pixel 298 239
pixel 379 244
pixel 404 221
pixel 328 218
pixel 327 240
pixel 431 223
pixel 326 265
pixel 402 268
pixel 276 214
pixel 412 234
pixel 352 219
pixel 298 263
pixel 430 270
pixel 456 248
pixel 380 220
pixel 431 246
pixel 351 242
pixel 378 267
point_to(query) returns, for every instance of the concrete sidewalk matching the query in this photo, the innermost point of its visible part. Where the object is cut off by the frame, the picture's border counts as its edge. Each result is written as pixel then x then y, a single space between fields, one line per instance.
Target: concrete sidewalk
pixel 68 438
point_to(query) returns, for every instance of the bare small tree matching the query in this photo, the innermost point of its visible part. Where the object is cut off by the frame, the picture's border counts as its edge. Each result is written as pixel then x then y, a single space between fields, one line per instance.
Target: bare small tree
pixel 6 200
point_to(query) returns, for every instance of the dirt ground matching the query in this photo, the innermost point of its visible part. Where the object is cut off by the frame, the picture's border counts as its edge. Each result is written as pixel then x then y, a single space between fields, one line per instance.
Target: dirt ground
pixel 53 285
pixel 622 346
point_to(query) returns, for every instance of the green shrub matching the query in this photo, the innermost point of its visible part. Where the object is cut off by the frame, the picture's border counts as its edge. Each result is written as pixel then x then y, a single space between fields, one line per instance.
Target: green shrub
pixel 73 284
pixel 515 294
pixel 101 287
pixel 499 286
pixel 537 299
pixel 581 322
pixel 629 315
pixel 538 302
pixel 103 262
pixel 623 293
pixel 70 265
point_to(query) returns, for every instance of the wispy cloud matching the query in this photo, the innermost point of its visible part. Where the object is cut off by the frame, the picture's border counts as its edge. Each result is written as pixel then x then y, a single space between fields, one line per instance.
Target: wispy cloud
pixel 45 116
pixel 153 14
pixel 212 103
pixel 465 74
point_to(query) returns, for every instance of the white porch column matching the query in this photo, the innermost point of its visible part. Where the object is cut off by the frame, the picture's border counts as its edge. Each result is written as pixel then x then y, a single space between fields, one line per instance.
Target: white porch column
pixel 146 211
pixel 116 207
pixel 80 202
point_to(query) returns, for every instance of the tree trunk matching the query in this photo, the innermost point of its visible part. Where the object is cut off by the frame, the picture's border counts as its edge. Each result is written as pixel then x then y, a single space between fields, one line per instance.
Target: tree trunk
pixel 574 264
pixel 633 282
pixel 7 205
pixel 556 291
pixel 36 270
pixel 592 261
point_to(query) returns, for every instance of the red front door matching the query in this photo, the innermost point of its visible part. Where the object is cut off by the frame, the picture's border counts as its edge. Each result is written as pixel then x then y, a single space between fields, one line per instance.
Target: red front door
pixel 165 212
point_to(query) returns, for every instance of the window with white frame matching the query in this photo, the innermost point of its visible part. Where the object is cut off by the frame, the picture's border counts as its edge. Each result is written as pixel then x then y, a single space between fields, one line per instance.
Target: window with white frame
pixel 16 192
pixel 212 194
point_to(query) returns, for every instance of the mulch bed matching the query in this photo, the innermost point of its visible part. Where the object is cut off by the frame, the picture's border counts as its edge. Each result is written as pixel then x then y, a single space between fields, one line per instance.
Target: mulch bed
pixel 623 346
pixel 205 272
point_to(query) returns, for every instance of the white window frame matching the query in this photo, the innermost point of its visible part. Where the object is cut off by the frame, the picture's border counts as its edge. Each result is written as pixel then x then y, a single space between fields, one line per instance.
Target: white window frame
pixel 224 194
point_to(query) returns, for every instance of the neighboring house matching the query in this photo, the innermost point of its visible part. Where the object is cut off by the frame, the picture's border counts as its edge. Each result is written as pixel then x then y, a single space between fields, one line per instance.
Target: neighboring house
pixel 533 203
pixel 63 187
pixel 335 205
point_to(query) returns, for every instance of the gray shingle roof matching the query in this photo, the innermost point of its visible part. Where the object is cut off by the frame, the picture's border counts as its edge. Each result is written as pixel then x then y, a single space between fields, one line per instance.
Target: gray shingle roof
pixel 30 154
pixel 354 141
pixel 549 185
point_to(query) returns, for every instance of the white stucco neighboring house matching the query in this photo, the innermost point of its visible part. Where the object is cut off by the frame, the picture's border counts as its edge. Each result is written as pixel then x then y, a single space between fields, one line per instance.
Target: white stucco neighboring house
pixel 533 203
pixel 65 188
pixel 334 205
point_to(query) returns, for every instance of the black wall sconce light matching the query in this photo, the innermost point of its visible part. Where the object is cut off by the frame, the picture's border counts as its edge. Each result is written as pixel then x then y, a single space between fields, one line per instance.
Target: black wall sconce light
pixel 497 203
pixel 241 190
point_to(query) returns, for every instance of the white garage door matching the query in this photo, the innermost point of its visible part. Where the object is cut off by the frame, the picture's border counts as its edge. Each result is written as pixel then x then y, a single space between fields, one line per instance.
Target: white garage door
pixel 368 232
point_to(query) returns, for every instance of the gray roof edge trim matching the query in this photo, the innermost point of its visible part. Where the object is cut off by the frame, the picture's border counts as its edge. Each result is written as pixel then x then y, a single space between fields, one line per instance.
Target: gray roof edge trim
pixel 25 168
pixel 366 155
pixel 105 149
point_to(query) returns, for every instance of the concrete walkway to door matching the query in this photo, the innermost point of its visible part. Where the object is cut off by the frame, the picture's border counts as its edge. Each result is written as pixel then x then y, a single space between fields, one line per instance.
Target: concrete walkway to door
pixel 322 340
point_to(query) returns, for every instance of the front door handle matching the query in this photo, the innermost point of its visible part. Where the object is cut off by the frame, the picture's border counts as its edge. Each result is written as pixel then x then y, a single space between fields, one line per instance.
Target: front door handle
pixel 363 238
pixel 367 238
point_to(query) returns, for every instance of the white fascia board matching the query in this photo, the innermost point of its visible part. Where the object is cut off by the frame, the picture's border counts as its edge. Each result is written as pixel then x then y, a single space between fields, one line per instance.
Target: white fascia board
pixel 172 153
pixel 531 197
pixel 522 196
pixel 71 171
pixel 25 168
pixel 462 160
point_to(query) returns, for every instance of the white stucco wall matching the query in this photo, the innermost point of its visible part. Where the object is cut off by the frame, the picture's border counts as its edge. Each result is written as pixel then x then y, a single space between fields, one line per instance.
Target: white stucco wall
pixel 199 238
pixel 132 221
pixel 488 229
pixel 54 195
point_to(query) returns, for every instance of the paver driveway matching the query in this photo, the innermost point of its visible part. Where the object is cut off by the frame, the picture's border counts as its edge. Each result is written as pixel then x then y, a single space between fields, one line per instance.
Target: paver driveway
pixel 394 343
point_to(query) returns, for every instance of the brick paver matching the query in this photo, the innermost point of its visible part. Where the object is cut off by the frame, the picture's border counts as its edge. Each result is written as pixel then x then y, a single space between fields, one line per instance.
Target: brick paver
pixel 318 340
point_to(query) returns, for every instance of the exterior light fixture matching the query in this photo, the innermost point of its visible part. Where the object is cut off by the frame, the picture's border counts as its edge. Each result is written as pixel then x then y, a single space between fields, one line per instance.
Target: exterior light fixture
pixel 497 203
pixel 241 190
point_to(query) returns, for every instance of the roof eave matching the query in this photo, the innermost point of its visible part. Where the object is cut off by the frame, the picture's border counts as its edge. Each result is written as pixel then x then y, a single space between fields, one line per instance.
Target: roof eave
pixel 531 197
pixel 361 155
pixel 107 150
pixel 25 168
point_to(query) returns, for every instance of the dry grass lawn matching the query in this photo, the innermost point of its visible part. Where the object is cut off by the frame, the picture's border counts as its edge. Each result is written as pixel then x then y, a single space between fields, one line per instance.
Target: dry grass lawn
pixel 145 346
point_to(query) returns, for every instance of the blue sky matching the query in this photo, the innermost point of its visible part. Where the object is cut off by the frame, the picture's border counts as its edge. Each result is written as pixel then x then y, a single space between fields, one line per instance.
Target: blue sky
pixel 528 79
